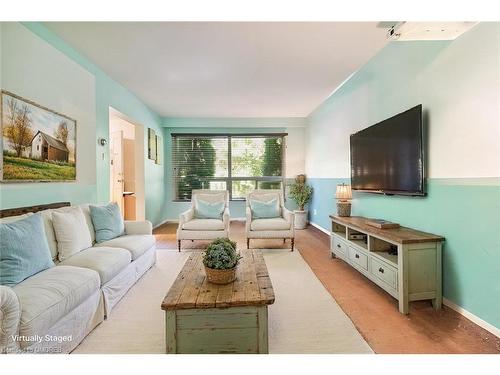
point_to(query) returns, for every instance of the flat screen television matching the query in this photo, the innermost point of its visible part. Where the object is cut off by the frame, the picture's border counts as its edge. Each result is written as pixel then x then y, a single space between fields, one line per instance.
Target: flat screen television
pixel 388 157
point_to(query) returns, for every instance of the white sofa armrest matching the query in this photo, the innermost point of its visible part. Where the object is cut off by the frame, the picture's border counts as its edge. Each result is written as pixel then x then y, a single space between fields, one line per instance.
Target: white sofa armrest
pixel 138 227
pixel 226 218
pixel 186 216
pixel 10 315
pixel 288 216
pixel 248 221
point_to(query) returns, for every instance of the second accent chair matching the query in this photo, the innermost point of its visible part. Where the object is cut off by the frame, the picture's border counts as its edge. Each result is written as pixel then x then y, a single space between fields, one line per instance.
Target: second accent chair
pixel 208 217
pixel 267 216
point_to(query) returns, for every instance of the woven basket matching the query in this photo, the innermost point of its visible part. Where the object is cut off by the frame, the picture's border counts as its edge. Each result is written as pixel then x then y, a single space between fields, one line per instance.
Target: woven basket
pixel 221 276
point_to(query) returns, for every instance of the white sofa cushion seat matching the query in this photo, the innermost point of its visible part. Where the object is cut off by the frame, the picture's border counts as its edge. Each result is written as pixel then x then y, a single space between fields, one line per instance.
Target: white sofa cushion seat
pixel 106 261
pixel 48 296
pixel 137 244
pixel 275 223
pixel 203 224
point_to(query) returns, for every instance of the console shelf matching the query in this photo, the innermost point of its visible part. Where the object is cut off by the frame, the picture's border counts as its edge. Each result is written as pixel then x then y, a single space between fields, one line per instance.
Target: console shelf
pixel 405 262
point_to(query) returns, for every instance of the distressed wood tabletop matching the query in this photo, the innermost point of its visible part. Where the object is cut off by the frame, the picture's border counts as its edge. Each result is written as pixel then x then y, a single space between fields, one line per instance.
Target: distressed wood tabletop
pixel 191 289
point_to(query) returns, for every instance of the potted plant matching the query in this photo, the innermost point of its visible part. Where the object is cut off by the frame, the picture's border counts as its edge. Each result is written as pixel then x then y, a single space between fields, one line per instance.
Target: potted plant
pixel 220 261
pixel 301 193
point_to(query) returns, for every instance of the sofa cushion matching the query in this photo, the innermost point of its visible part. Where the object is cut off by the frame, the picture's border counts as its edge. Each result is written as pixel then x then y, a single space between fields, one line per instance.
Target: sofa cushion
pixel 11 219
pixel 23 250
pixel 108 221
pixel 107 261
pixel 71 232
pixel 49 232
pixel 204 224
pixel 276 223
pixel 50 295
pixel 137 244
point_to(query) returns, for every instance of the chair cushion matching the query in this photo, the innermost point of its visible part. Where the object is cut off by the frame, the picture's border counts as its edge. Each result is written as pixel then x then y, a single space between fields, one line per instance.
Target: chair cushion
pixel 23 250
pixel 276 223
pixel 137 244
pixel 50 295
pixel 107 261
pixel 204 224
pixel 72 232
pixel 265 209
pixel 108 222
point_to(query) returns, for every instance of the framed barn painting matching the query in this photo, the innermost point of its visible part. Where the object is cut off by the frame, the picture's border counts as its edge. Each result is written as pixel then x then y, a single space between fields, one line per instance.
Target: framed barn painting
pixel 38 144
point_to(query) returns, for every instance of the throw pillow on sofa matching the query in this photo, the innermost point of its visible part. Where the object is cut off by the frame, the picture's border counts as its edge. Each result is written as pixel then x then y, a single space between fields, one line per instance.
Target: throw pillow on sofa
pixel 108 222
pixel 23 250
pixel 265 210
pixel 72 232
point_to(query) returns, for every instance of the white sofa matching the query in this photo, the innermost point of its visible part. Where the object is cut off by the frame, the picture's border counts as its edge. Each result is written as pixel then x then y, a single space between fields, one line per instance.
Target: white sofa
pixel 278 227
pixel 191 228
pixel 53 310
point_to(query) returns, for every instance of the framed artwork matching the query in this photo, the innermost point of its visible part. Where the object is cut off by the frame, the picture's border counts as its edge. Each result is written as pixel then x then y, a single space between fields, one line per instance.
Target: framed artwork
pixel 151 144
pixel 38 144
pixel 159 150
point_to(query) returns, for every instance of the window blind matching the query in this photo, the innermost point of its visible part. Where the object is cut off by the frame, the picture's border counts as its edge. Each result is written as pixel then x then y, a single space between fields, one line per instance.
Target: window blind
pixel 237 163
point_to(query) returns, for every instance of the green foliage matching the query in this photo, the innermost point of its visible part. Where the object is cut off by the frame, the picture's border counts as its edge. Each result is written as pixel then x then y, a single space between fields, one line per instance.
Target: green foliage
pixel 29 169
pixel 272 164
pixel 300 193
pixel 194 166
pixel 221 254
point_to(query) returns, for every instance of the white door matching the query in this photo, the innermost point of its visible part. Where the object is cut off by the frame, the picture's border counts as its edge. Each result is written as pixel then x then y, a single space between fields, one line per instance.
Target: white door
pixel 116 150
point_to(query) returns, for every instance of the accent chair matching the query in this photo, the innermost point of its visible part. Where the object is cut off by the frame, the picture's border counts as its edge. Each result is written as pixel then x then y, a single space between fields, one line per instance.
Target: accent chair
pixel 265 220
pixel 196 224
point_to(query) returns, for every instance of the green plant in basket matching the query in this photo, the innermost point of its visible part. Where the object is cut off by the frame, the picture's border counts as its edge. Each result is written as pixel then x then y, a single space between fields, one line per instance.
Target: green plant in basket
pixel 221 254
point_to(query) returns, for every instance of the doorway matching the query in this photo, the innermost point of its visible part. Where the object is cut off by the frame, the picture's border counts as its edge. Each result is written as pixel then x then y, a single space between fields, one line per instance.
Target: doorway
pixel 126 169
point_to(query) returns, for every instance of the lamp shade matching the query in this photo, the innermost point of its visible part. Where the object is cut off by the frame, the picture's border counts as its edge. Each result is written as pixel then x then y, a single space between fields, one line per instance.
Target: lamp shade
pixel 343 192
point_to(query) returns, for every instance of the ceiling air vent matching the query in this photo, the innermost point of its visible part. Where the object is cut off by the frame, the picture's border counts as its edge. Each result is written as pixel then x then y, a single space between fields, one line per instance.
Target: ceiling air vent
pixel 407 31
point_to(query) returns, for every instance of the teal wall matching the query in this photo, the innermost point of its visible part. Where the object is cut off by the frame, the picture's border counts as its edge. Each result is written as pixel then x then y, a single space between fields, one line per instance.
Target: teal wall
pixel 458 84
pixel 107 93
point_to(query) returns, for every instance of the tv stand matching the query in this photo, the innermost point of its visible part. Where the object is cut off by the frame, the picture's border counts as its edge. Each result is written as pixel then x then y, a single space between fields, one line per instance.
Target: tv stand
pixel 413 274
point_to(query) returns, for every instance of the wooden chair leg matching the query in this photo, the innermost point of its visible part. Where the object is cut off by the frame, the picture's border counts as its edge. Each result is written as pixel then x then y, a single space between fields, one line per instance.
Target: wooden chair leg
pixel 179 245
pixel 293 243
pixel 248 243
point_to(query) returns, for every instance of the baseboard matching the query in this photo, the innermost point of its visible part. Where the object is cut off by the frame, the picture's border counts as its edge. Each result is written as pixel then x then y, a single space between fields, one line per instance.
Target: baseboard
pixel 473 318
pixel 164 222
pixel 319 227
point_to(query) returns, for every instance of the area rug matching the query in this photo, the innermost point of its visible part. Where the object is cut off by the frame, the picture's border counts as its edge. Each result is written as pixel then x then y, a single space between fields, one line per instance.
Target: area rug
pixel 304 319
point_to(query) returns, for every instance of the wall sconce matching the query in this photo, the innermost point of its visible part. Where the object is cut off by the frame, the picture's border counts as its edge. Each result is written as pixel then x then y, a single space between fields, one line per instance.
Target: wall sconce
pixel 102 141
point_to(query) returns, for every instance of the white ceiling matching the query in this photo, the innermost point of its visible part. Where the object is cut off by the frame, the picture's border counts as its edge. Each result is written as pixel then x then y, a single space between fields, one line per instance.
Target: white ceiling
pixel 236 69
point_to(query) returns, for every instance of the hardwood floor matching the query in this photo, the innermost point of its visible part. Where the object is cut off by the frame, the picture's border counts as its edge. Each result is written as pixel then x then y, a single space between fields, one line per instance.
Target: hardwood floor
pixel 373 312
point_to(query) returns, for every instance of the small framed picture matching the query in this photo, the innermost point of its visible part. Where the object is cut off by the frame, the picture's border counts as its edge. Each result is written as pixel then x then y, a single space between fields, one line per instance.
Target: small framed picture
pixel 151 144
pixel 159 150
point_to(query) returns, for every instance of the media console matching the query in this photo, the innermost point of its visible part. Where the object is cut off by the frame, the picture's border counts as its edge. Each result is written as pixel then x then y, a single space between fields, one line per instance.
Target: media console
pixel 413 274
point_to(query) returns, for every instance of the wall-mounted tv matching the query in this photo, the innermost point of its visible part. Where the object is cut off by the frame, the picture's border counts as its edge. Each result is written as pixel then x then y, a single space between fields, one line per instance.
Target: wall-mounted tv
pixel 388 157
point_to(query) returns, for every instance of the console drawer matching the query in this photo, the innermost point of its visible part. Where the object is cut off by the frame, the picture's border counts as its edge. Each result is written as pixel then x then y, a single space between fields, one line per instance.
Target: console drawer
pixel 384 272
pixel 358 258
pixel 339 247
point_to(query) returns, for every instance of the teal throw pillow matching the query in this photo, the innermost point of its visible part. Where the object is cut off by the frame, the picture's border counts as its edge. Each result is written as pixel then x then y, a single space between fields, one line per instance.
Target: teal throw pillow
pixel 208 210
pixel 265 210
pixel 108 222
pixel 24 250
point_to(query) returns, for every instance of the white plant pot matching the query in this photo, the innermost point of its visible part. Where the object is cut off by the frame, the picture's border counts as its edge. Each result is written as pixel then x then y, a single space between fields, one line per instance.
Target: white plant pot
pixel 300 219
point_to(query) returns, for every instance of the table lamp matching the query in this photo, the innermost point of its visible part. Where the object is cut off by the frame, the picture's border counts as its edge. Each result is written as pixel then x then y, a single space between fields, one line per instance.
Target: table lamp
pixel 344 195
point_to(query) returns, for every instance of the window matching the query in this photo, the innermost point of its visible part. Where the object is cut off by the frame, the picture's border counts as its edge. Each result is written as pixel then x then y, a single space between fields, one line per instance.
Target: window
pixel 238 163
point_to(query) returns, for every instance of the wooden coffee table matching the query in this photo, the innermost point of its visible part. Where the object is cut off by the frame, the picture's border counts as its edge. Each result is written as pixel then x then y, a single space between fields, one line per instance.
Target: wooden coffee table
pixel 202 317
